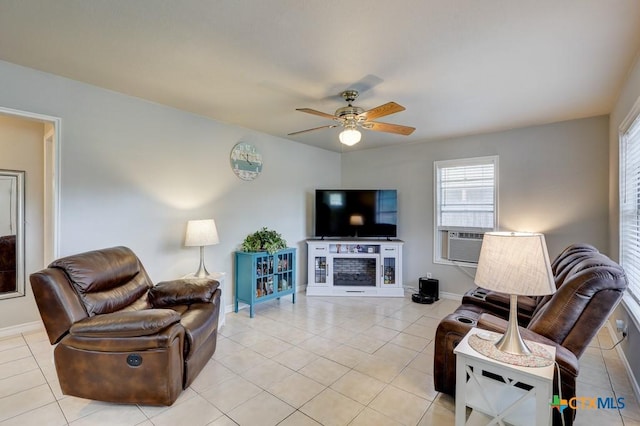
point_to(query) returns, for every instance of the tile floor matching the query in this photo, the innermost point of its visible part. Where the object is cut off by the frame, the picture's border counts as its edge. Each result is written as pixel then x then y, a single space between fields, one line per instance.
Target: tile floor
pixel 323 361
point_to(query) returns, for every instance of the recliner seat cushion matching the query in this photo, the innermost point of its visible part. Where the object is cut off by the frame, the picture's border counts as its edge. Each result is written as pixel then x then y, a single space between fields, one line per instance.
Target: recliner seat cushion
pixel 111 344
pixel 126 324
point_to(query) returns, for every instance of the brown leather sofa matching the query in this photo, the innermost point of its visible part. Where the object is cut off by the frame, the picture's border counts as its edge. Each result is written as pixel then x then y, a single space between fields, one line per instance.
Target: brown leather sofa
pixel 120 338
pixel 498 303
pixel 589 287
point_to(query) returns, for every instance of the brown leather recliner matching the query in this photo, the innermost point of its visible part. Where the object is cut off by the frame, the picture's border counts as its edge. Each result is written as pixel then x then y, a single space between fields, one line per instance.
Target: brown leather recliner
pixel 120 338
pixel 591 288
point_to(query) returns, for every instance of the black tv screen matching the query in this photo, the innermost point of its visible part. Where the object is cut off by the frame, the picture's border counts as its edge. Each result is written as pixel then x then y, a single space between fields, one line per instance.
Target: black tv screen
pixel 356 213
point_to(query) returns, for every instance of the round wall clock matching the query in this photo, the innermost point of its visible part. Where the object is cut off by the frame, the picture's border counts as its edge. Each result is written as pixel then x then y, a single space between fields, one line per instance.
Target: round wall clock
pixel 246 161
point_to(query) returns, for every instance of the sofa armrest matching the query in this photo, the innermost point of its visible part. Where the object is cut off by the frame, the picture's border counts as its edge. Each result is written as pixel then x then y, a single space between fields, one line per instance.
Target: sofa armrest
pixel 182 292
pixel 565 358
pixel 125 324
pixel 498 303
pixel 494 323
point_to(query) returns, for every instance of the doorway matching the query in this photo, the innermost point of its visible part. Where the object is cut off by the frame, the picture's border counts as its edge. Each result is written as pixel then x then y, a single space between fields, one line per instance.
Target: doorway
pixel 51 173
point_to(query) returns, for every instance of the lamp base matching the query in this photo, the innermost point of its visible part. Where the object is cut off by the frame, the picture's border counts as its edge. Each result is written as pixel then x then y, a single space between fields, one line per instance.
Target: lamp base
pixel 511 342
pixel 202 270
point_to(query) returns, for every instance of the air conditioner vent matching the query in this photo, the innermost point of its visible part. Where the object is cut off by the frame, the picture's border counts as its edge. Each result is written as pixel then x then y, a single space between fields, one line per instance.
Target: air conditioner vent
pixel 464 246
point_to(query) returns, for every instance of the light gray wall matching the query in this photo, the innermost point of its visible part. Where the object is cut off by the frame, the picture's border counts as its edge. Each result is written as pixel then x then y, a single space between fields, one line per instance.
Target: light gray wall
pixel 134 172
pixel 21 148
pixel 630 313
pixel 552 179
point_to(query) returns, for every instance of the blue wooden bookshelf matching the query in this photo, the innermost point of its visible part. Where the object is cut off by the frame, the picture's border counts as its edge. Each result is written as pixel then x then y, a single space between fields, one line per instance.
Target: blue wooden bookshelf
pixel 260 276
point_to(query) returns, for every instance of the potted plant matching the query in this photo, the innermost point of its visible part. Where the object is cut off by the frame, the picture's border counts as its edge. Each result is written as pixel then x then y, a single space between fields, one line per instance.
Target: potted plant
pixel 264 240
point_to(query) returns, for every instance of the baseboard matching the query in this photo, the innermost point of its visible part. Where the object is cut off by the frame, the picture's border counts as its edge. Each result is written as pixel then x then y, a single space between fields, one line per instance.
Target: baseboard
pixel 623 358
pixel 230 308
pixel 452 296
pixel 15 330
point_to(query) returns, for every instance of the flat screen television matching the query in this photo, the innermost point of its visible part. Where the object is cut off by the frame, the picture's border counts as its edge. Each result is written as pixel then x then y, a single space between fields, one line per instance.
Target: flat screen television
pixel 365 213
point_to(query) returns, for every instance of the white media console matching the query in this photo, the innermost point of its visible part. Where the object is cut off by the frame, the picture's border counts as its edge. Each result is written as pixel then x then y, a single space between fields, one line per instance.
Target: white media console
pixel 354 267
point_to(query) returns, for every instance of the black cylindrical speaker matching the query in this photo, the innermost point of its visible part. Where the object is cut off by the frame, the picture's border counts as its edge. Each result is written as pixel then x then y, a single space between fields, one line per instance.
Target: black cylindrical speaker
pixel 429 287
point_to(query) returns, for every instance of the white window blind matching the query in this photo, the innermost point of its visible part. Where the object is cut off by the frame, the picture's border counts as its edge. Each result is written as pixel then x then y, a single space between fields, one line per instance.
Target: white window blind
pixel 466 193
pixel 630 206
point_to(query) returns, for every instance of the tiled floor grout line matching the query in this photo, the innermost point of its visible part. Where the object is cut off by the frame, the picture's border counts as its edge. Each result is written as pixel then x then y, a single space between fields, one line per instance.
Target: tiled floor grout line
pixel 316 322
pixel 26 344
pixel 611 383
pixel 601 353
pixel 373 353
pixel 57 401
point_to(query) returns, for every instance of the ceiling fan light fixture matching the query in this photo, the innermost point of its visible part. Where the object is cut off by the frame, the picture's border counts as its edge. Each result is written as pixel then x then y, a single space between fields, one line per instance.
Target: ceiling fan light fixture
pixel 352 117
pixel 350 136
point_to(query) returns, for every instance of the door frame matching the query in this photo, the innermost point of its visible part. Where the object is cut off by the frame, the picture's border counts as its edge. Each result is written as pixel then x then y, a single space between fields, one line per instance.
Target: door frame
pixel 51 147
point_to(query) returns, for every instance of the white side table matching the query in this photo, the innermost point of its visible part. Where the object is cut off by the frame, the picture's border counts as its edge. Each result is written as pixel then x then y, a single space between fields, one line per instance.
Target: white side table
pixel 493 400
pixel 219 276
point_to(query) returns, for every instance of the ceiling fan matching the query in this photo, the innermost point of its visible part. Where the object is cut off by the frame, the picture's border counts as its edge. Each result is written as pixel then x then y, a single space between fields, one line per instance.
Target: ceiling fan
pixel 352 117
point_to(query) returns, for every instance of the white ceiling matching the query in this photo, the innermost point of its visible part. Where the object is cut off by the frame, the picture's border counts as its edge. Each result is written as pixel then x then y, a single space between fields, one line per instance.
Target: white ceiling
pixel 458 66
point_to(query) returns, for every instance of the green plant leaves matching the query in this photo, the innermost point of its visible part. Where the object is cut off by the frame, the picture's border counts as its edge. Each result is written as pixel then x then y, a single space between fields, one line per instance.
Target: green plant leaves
pixel 264 240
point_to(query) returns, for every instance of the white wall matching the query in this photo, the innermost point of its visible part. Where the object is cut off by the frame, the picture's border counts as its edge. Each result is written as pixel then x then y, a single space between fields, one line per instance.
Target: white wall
pixel 552 179
pixel 21 143
pixel 133 173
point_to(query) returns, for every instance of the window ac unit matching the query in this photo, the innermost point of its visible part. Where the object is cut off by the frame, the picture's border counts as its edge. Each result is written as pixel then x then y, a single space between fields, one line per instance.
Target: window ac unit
pixel 464 246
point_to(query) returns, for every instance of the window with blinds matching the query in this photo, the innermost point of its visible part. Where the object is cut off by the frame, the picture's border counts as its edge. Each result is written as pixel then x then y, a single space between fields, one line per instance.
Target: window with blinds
pixel 630 206
pixel 466 193
pixel 466 206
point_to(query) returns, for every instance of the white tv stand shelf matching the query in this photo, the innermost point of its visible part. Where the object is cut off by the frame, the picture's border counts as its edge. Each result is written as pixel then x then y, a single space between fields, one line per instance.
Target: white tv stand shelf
pixel 355 267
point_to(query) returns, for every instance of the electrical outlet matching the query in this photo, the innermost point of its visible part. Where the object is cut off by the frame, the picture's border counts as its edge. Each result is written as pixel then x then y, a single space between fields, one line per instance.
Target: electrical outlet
pixel 621 326
pixel 429 275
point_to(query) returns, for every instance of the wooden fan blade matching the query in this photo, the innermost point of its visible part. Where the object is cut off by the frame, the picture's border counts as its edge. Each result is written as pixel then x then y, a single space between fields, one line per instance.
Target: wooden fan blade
pixel 389 128
pixel 330 126
pixel 315 112
pixel 382 110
